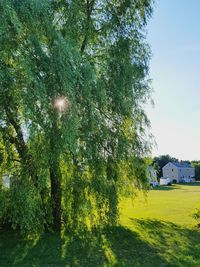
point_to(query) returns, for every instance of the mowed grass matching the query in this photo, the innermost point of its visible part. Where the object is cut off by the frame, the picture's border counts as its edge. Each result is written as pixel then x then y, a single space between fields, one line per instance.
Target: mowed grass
pixel 174 203
pixel 156 231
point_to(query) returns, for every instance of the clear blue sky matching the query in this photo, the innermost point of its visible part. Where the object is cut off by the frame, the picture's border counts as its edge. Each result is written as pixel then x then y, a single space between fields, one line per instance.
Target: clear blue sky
pixel 174 36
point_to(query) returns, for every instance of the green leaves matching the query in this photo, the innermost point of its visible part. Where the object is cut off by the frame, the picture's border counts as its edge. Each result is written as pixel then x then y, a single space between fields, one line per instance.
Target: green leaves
pixel 26 207
pixel 71 164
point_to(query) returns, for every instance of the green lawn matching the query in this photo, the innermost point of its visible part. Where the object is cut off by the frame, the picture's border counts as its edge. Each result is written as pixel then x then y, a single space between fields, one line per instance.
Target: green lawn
pixel 156 231
pixel 174 203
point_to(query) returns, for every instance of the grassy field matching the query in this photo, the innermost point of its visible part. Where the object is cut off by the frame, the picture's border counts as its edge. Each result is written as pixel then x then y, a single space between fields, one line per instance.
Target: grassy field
pixel 157 230
pixel 174 203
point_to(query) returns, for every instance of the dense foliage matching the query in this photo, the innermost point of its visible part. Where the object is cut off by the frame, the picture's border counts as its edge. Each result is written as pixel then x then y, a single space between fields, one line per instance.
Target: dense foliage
pixel 196 165
pixel 73 84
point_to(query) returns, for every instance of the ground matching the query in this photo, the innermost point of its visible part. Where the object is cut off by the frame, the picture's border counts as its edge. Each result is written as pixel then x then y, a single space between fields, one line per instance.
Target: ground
pixel 174 204
pixel 156 230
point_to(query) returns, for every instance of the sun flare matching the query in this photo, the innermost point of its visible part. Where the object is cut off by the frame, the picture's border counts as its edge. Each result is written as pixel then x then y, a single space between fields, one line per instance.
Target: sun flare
pixel 62 104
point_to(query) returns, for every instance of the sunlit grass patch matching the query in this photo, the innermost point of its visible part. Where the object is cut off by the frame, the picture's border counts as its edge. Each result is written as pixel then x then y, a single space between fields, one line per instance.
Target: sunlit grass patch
pixel 174 203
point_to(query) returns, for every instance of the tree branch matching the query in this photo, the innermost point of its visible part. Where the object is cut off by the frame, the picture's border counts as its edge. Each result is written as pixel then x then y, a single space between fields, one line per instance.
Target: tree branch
pixel 19 141
pixel 89 9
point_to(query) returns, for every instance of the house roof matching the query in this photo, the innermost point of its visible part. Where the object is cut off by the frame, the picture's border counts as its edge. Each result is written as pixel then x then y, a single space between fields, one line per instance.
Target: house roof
pixel 181 165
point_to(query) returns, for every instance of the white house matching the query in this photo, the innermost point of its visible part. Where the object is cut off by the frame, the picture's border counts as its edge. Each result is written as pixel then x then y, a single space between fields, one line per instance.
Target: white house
pixel 152 176
pixel 179 171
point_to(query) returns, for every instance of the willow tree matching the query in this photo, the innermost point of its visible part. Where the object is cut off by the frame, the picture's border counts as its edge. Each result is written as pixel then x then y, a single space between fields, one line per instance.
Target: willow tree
pixel 73 84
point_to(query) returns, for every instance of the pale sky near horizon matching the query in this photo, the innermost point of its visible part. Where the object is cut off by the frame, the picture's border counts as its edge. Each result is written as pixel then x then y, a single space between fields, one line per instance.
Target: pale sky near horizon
pixel 174 37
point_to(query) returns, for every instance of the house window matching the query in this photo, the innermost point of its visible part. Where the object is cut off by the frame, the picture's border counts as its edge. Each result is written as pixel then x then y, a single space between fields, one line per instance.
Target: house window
pixel 172 170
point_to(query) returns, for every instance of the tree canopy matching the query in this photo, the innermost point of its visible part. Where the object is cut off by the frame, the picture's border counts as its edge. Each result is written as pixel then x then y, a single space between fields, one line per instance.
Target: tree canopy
pixel 196 165
pixel 73 84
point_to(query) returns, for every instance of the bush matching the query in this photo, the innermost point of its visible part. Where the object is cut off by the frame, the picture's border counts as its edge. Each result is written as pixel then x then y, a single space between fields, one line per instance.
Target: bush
pixel 174 181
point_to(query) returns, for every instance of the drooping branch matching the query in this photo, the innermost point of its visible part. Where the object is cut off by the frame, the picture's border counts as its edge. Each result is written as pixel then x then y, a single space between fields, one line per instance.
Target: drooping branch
pixel 20 144
pixel 89 9
pixel 19 139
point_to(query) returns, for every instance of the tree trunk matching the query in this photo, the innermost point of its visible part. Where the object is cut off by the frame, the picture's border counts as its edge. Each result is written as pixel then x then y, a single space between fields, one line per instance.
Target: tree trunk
pixel 21 146
pixel 55 178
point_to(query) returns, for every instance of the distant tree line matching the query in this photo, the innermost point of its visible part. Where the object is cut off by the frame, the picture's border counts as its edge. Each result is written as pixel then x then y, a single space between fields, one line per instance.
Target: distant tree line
pixel 160 161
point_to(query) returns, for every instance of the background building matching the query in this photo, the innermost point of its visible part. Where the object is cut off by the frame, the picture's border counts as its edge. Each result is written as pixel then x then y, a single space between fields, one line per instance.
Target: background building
pixel 179 171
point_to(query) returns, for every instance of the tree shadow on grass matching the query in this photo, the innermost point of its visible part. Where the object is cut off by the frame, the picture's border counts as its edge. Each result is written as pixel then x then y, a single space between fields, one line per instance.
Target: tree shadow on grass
pixel 191 184
pixel 165 188
pixel 116 246
pixel 177 245
pixel 131 250
pixel 148 243
pixel 17 251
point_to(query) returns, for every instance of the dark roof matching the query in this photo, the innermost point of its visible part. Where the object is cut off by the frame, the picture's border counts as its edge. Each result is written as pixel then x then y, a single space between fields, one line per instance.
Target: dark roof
pixel 181 165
